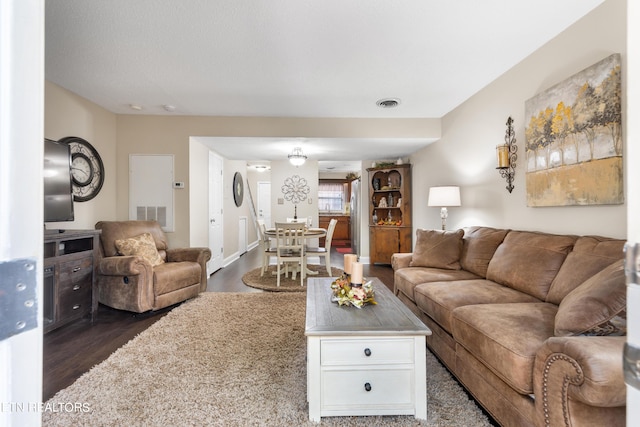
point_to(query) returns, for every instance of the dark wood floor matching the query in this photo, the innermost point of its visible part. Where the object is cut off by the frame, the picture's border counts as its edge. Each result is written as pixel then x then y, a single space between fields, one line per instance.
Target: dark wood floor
pixel 74 349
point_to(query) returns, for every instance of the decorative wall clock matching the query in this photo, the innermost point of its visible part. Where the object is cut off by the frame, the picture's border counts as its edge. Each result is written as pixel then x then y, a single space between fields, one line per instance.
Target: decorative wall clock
pixel 87 169
pixel 238 189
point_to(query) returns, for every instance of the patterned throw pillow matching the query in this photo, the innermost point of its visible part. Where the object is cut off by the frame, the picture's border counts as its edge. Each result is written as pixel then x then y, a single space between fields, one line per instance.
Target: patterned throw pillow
pixel 143 246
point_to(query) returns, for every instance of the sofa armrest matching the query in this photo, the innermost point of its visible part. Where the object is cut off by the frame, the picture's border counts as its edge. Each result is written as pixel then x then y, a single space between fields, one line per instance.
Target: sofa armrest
pixel 125 283
pixel 585 369
pixel 123 266
pixel 199 255
pixel 401 260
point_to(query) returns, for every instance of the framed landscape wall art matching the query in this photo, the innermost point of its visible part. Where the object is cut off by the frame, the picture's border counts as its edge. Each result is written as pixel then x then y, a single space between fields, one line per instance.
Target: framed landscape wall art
pixel 574 140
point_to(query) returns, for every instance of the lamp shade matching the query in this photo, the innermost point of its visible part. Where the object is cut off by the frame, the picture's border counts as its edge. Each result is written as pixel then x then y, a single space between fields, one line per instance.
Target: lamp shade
pixel 443 196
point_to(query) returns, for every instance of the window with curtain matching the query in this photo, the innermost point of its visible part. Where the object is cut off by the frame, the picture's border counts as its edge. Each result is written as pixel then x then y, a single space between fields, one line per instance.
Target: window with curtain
pixel 331 197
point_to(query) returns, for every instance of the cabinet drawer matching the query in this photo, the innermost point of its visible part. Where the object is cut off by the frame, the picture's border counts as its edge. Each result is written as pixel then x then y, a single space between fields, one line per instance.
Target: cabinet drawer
pixel 74 292
pixel 73 272
pixel 366 351
pixel 75 301
pixel 364 389
pixel 78 292
pixel 73 307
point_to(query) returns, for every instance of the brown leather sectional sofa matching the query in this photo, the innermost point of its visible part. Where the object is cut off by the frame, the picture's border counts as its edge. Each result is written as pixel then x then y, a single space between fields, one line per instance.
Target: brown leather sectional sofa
pixel 532 324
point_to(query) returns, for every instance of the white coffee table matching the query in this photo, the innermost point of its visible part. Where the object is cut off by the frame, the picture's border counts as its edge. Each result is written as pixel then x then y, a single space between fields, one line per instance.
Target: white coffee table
pixel 368 361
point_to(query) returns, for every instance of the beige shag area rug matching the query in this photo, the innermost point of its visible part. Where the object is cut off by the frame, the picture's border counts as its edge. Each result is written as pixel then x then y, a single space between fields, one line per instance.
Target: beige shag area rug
pixel 269 282
pixel 227 359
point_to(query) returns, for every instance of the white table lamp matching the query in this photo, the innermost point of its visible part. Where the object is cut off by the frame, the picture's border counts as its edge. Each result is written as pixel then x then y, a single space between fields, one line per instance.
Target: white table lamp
pixel 444 196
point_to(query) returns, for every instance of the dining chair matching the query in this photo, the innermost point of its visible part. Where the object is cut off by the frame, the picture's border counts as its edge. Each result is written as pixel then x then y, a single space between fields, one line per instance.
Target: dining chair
pixel 290 248
pixel 265 246
pixel 326 251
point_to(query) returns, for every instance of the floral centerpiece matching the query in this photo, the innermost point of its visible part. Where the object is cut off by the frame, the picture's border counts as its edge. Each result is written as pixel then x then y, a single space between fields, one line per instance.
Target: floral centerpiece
pixel 344 293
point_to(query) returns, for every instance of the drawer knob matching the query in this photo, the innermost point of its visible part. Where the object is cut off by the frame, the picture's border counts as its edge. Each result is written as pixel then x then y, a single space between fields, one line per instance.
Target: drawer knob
pixel 76 287
pixel 367 352
pixel 76 269
pixel 75 307
pixel 367 386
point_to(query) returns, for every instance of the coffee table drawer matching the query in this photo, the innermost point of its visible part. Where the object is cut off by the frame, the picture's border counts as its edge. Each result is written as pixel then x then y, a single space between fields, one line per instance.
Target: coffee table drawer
pixel 364 389
pixel 368 351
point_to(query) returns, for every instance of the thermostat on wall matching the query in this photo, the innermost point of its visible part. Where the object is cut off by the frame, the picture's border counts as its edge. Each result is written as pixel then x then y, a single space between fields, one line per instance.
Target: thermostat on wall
pixel 178 185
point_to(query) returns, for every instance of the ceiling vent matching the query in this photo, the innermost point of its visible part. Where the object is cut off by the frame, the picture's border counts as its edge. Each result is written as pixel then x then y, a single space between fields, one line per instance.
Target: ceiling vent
pixel 388 103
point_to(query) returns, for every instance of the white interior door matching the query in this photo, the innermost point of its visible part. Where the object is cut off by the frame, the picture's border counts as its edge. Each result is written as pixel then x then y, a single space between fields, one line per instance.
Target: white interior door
pixel 21 138
pixel 264 202
pixel 216 230
pixel 242 235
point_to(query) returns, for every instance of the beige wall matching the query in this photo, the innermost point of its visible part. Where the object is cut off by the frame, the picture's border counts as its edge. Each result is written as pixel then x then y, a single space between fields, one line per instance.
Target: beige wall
pixel 198 188
pixel 140 134
pixel 280 171
pixel 465 155
pixel 233 213
pixel 66 114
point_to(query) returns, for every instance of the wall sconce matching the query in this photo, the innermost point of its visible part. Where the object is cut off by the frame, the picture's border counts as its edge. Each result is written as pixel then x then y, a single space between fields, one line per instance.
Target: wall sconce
pixel 444 196
pixel 507 155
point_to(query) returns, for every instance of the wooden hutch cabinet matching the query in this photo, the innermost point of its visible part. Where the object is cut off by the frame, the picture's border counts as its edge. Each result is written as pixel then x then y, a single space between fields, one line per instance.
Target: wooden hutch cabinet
pixel 390 228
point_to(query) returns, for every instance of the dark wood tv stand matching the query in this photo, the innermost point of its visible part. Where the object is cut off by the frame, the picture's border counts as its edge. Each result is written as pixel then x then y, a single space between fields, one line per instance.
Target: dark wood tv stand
pixel 69 278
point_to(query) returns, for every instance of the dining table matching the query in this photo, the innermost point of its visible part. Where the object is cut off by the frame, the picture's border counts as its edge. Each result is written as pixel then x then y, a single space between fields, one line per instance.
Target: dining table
pixel 309 233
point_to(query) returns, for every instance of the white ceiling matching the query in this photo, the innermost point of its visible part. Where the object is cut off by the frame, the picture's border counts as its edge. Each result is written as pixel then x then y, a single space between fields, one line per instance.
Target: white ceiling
pixel 294 58
pixel 333 154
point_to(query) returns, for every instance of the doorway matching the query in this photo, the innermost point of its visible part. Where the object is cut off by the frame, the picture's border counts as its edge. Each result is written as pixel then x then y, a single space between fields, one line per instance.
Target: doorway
pixel 264 202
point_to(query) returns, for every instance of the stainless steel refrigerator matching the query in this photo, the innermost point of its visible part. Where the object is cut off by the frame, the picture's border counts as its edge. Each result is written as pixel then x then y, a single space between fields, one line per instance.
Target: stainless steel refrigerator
pixel 356 214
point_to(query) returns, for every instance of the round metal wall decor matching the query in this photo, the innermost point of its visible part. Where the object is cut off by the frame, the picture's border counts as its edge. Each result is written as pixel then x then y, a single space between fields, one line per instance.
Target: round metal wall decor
pixel 87 169
pixel 238 189
pixel 295 189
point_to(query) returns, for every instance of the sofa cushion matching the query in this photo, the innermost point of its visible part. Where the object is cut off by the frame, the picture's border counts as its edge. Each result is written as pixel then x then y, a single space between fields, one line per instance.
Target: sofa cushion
pixel 505 337
pixel 406 279
pixel 173 276
pixel 439 299
pixel 590 255
pixel 142 246
pixel 592 307
pixel 512 264
pixel 438 249
pixel 479 245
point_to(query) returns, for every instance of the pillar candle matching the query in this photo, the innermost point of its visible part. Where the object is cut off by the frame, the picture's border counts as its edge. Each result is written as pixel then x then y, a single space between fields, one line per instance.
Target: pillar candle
pixel 357 269
pixel 503 156
pixel 349 259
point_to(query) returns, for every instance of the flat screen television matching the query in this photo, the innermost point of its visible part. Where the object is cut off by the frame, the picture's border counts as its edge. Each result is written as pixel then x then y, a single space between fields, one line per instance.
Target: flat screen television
pixel 58 197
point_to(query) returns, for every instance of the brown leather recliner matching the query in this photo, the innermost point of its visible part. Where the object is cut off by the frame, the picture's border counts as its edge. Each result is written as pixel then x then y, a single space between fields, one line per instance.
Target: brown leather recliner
pixel 131 282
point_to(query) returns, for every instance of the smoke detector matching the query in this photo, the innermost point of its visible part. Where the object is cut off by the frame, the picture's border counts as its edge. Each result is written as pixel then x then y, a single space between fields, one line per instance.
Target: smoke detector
pixel 388 102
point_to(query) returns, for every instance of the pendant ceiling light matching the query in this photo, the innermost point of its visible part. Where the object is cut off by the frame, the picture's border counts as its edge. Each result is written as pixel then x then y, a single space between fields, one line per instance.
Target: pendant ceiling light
pixel 297 157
